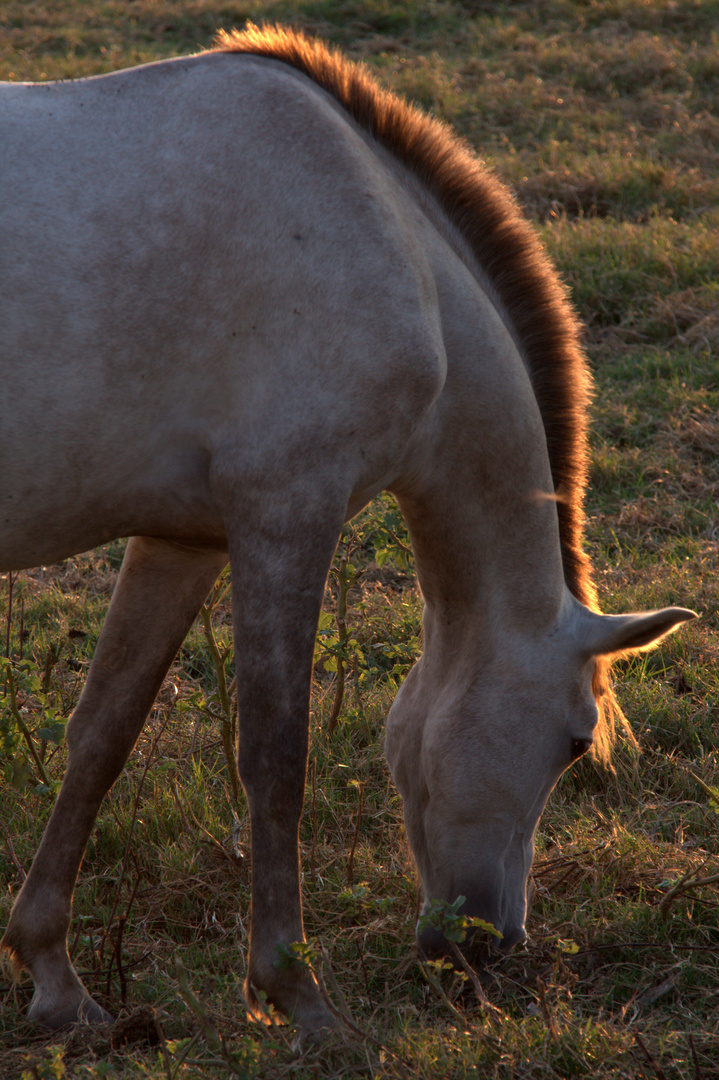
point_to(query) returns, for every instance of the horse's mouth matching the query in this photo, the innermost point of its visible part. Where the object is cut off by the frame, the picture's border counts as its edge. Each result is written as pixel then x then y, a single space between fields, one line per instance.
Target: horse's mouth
pixel 480 947
pixel 478 951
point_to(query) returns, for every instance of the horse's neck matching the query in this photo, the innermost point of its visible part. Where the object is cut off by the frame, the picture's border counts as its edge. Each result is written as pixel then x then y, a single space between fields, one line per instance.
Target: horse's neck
pixel 479 502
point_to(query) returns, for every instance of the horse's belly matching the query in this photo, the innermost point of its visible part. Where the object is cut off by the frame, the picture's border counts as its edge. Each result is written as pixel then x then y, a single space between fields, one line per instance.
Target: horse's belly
pixel 58 507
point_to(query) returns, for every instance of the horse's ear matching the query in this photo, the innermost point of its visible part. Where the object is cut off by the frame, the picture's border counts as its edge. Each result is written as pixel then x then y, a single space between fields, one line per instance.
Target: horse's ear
pixel 607 634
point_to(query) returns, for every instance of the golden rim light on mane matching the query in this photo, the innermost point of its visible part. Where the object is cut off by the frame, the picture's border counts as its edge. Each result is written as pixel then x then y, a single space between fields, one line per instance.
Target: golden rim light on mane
pixel 510 254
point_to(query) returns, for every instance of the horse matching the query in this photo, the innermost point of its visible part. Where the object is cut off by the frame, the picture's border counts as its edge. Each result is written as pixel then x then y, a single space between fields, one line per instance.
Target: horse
pixel 244 292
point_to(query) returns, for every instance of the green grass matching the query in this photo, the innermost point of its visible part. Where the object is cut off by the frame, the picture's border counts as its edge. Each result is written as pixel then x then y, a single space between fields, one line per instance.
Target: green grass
pixel 601 115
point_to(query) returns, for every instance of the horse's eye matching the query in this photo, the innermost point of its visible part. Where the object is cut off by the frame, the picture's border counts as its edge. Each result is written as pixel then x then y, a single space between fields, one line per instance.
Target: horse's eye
pixel 579 747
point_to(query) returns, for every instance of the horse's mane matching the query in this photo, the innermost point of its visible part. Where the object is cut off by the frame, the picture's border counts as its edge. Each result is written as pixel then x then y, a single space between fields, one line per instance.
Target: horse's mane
pixel 510 255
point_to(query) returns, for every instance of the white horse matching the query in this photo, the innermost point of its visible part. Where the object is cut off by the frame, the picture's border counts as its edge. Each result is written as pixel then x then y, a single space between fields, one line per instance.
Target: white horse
pixel 242 293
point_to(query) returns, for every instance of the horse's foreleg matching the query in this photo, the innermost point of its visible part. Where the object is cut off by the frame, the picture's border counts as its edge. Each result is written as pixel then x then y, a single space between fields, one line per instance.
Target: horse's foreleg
pixel 279 568
pixel 159 592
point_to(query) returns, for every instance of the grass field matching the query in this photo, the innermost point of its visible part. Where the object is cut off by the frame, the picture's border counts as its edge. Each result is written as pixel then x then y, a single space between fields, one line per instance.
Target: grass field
pixel 602 117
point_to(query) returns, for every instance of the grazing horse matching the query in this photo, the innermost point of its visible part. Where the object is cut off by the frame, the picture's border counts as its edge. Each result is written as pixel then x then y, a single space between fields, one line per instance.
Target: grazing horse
pixel 243 292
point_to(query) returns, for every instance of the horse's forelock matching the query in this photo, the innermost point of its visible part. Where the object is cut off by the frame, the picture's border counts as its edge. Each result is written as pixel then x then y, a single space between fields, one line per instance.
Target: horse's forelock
pixel 510 254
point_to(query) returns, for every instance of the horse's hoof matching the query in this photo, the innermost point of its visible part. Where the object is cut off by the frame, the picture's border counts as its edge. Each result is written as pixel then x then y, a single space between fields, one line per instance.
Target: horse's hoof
pixel 310 1037
pixel 86 1012
pixel 305 1040
pixel 92 1013
pixel 308 1013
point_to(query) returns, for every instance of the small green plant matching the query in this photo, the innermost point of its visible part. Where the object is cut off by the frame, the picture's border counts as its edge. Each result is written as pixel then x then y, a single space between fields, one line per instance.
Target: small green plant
pixel 221 704
pixel 338 646
pixel 22 702
pixel 446 918
pixel 47 1068
pixel 376 537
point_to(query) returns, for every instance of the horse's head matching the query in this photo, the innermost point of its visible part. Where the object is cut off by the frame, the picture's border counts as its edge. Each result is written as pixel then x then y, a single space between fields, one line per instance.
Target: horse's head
pixel 476 750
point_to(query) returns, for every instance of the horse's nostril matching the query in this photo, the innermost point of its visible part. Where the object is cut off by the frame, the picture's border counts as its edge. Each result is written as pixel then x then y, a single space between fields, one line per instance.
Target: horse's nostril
pixel 512 938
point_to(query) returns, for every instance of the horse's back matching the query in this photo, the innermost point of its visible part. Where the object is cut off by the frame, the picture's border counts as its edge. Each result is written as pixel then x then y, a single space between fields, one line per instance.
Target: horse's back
pixel 197 254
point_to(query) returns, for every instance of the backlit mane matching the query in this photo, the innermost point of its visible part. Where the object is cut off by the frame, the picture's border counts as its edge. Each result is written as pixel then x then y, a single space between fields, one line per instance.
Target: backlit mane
pixel 511 256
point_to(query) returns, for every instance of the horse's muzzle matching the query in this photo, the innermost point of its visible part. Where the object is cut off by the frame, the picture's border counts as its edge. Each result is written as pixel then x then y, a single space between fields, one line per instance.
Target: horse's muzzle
pixel 478 948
